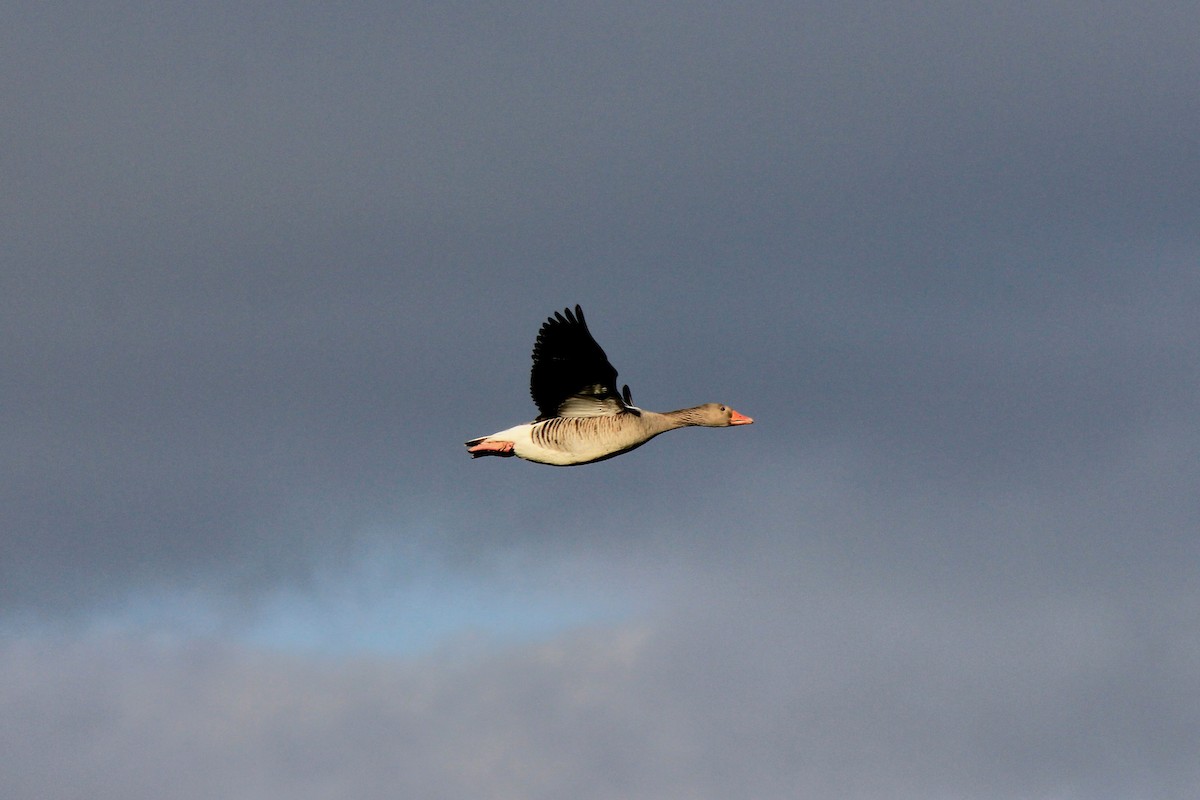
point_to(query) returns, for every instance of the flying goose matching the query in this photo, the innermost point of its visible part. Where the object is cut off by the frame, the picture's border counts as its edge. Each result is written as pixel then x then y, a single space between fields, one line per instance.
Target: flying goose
pixel 581 417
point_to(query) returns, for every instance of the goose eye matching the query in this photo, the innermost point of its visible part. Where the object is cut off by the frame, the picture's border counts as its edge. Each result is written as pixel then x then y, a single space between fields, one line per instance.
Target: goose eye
pixel 723 408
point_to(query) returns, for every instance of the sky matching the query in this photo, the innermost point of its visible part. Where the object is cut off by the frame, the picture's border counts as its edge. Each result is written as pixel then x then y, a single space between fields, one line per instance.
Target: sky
pixel 267 266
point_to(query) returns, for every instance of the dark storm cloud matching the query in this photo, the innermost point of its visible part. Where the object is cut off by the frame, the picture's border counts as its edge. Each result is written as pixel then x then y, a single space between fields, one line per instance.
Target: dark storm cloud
pixel 253 252
pixel 266 269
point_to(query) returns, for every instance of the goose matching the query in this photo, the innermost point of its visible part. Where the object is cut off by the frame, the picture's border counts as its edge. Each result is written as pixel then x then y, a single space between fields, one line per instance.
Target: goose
pixel 582 418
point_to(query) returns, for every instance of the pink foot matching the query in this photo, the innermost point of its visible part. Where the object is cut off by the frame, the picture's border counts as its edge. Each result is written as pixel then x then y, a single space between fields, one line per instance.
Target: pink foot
pixel 488 446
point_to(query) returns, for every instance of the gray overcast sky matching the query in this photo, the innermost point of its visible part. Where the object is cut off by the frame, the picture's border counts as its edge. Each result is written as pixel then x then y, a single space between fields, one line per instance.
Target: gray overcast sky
pixel 266 268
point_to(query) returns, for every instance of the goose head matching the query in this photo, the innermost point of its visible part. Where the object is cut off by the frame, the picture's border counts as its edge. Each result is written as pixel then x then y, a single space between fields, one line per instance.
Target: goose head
pixel 718 415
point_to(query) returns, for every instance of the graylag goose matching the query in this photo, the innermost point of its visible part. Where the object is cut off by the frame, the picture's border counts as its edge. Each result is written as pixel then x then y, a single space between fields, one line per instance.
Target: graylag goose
pixel 581 417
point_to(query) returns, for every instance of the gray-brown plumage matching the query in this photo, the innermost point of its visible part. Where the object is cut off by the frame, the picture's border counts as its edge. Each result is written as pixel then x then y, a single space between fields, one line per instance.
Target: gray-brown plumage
pixel 581 416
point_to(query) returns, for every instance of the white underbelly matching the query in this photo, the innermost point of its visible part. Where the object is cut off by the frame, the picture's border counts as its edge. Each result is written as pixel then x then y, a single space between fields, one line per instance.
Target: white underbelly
pixel 574 450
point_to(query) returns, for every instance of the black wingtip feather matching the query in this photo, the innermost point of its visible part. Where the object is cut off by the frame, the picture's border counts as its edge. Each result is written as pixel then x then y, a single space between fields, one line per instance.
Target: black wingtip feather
pixel 567 360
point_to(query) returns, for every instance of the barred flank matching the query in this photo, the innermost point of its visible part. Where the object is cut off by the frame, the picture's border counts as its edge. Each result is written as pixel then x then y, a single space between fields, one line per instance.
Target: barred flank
pixel 560 433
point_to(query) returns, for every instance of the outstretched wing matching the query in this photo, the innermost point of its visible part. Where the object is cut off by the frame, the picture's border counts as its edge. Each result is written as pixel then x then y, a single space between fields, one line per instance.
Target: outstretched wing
pixel 571 376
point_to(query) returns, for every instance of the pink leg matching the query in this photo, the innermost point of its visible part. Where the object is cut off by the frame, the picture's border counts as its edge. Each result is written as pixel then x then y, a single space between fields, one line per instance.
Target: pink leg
pixel 489 446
